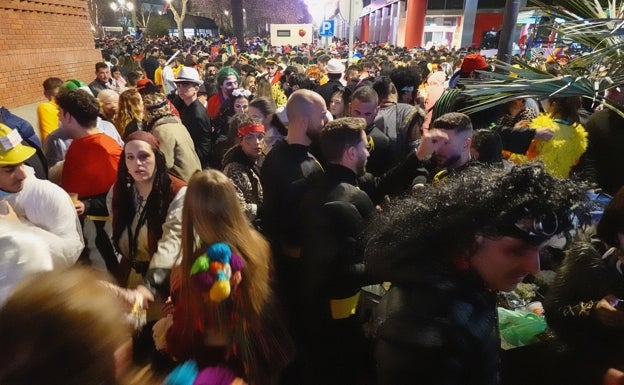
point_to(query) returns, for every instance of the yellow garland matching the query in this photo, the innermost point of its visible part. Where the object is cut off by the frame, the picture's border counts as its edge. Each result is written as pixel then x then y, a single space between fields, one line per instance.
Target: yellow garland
pixel 560 153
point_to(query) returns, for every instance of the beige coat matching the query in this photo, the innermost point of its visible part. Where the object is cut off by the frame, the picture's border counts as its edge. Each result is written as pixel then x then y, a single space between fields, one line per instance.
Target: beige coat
pixel 177 145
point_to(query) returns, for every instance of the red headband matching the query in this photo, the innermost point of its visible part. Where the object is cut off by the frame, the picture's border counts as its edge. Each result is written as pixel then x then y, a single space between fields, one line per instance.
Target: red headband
pixel 250 128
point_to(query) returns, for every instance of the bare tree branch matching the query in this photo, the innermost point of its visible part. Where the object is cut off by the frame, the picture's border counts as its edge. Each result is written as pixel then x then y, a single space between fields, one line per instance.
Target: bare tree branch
pixel 258 13
pixel 179 16
pixel 94 15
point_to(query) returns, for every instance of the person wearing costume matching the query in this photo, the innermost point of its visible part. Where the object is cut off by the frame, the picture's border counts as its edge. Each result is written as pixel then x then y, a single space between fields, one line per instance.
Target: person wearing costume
pixel 221 296
pixel 263 109
pixel 582 305
pixel 193 114
pixel 89 170
pixel 174 140
pixel 336 209
pixel 40 205
pixel 221 109
pixel 563 151
pixel 146 206
pixel 447 251
pixel 241 164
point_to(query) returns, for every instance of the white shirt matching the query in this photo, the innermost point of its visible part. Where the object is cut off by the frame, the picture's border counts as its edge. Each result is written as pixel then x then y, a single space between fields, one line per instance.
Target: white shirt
pixel 168 76
pixel 50 214
pixel 22 253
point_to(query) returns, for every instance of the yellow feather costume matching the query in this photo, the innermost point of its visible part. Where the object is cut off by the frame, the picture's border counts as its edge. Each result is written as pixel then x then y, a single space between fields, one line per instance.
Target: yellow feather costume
pixel 560 153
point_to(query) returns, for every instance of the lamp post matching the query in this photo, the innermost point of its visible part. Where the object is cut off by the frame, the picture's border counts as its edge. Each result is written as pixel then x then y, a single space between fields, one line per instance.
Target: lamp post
pixel 122 6
pixel 244 20
pixel 227 21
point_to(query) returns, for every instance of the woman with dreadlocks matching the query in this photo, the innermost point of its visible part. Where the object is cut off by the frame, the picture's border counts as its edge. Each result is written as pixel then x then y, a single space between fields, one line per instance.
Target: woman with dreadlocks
pixel 146 206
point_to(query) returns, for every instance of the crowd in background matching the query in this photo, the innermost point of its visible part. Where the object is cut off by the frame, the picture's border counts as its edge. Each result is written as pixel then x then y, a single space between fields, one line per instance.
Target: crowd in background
pixel 240 196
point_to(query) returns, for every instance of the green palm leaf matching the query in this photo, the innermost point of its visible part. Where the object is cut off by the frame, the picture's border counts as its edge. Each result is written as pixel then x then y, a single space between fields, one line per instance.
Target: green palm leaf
pixel 510 83
pixel 582 9
pixel 598 25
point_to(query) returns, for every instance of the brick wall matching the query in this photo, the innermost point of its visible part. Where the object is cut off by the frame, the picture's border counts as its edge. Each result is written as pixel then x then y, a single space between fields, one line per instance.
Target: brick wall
pixel 40 39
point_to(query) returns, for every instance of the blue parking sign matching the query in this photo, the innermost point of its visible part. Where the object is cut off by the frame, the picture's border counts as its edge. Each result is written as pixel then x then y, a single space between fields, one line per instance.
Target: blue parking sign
pixel 326 28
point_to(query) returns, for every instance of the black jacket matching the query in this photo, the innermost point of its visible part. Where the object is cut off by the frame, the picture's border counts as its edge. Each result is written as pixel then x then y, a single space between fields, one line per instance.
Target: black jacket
pixel 335 213
pixel 438 328
pixel 588 273
pixel 196 120
pixel 602 163
pixel 284 175
pixel 388 138
pixel 333 272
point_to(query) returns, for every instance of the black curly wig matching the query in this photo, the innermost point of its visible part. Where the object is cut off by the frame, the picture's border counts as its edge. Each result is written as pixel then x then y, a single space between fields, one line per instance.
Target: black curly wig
pixel 431 226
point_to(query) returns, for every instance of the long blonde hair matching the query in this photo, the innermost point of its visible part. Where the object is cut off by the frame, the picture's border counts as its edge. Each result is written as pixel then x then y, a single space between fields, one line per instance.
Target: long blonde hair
pixel 130 108
pixel 213 213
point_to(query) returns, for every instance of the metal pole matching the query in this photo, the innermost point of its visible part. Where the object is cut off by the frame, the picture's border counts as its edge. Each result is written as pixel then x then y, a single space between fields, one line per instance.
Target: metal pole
pixel 351 28
pixel 505 42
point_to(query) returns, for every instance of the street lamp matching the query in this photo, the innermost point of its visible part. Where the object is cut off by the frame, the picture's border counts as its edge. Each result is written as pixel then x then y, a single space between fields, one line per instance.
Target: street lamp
pixel 123 6
pixel 244 20
pixel 227 21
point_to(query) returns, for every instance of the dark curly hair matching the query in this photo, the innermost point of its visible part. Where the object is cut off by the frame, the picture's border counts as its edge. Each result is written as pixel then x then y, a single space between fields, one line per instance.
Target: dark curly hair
pixel 156 205
pixel 442 221
pixel 79 104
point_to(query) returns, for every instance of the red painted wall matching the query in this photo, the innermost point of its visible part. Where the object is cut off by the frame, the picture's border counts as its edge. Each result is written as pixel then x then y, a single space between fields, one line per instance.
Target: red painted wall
pixel 485 22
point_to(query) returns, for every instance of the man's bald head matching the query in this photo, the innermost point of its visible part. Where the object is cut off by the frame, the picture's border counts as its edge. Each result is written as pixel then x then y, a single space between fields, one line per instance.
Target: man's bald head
pixel 307 114
pixel 301 102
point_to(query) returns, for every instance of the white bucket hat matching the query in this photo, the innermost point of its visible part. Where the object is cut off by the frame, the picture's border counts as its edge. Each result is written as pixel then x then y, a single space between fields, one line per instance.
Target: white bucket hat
pixel 335 66
pixel 188 74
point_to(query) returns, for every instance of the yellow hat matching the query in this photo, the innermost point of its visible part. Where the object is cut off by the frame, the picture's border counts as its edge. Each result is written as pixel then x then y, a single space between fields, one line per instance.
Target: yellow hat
pixel 12 151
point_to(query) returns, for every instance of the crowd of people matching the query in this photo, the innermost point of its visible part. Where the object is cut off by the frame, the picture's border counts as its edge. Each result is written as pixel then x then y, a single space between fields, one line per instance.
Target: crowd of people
pixel 225 208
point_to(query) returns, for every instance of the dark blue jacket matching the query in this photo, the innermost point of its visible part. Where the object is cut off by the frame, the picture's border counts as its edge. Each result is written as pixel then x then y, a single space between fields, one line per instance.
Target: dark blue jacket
pixel 25 129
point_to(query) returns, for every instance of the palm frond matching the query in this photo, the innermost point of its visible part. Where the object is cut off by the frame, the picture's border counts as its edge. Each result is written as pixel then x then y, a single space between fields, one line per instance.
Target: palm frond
pixel 596 24
pixel 509 83
pixel 582 9
pixel 587 21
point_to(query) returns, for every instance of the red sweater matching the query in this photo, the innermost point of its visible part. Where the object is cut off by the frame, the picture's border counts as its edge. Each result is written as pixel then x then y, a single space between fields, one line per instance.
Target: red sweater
pixel 91 165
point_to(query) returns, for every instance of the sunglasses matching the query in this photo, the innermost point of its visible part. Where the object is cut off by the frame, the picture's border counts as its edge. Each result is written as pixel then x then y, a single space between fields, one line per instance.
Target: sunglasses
pixel 536 229
pixel 545 225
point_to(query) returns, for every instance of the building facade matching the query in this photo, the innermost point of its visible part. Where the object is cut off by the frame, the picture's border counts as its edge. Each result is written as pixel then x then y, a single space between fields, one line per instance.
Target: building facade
pixel 422 23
